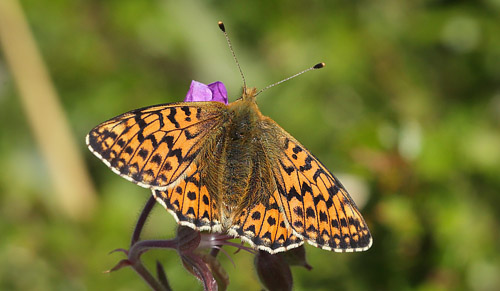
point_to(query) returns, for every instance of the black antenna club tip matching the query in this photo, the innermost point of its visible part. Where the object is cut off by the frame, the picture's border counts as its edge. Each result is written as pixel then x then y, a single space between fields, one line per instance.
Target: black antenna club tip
pixel 319 66
pixel 221 26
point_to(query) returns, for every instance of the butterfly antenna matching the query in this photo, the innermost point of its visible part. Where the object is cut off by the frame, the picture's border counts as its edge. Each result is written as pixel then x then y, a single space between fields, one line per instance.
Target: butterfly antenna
pixel 223 29
pixel 315 67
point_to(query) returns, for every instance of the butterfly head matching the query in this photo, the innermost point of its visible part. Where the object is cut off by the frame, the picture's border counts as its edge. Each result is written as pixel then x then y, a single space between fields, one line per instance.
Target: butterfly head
pixel 249 93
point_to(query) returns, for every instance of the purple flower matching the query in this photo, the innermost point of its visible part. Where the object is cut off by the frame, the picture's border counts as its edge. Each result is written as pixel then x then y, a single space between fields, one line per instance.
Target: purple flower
pixel 211 92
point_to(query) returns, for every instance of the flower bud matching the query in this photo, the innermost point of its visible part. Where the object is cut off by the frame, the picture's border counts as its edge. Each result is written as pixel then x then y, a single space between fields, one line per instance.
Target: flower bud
pixel 273 271
pixel 188 239
pixel 296 257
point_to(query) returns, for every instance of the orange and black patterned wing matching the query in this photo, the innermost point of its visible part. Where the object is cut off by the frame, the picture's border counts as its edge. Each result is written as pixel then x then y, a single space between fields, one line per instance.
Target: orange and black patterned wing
pixel 315 204
pixel 154 146
pixel 190 203
pixel 264 227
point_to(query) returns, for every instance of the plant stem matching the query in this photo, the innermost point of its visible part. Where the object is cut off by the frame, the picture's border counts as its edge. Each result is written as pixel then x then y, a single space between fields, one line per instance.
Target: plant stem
pixel 142 220
pixel 143 272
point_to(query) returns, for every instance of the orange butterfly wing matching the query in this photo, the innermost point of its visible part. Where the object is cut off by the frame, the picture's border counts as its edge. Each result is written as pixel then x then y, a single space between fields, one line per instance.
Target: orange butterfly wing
pixel 190 203
pixel 315 204
pixel 264 227
pixel 154 146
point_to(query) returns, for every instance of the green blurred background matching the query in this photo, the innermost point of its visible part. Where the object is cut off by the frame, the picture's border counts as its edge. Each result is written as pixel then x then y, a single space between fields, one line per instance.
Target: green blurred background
pixel 406 113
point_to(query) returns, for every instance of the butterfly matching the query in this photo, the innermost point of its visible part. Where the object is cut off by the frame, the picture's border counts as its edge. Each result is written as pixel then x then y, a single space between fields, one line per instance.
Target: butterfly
pixel 228 168
pixel 222 167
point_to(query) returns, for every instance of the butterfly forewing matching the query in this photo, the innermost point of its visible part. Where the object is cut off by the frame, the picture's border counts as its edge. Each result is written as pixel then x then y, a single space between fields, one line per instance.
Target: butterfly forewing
pixel 315 203
pixel 154 146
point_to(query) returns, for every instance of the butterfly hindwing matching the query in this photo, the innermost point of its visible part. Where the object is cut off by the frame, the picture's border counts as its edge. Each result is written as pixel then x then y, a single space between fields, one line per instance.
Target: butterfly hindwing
pixel 154 146
pixel 190 202
pixel 264 226
pixel 315 203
